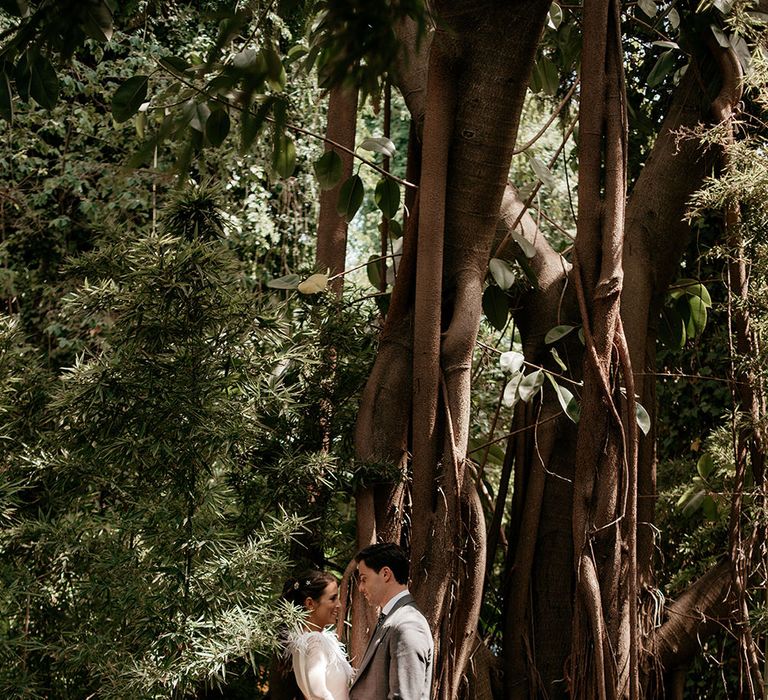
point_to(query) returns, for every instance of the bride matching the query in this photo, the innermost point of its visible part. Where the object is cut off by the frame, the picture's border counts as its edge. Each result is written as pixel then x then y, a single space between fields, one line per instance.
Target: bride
pixel 319 661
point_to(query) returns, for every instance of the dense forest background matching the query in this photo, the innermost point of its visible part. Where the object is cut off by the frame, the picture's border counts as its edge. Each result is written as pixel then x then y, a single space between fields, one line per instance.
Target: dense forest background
pixel 195 401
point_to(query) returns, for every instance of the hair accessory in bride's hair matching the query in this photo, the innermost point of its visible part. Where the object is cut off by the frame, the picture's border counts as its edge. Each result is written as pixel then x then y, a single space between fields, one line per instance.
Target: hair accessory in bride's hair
pixel 296 586
pixel 306 583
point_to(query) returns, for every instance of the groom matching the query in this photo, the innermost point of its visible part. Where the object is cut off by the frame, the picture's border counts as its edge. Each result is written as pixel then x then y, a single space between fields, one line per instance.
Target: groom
pixel 397 664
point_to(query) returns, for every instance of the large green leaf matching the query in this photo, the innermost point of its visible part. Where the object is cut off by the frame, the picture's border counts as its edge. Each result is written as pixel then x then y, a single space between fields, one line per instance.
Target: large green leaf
pixel 22 76
pixel 276 76
pixel 328 170
pixel 285 282
pixel 129 97
pixel 529 250
pixel 502 273
pixel 252 122
pixel 196 113
pixel 284 155
pixel 217 127
pixel 693 287
pixel 686 495
pixel 672 328
pixel 642 418
pixel 549 77
pixel 531 384
pixel 566 399
pixel 682 308
pixel 511 391
pixel 314 284
pixel 97 20
pixel 377 270
pixel 554 334
pixel 569 45
pixel 648 6
pixel 555 16
pixel 387 197
pixel 495 306
pixel 379 144
pixel 542 171
pixel 350 197
pixel 694 503
pixel 698 314
pixel 663 66
pixel 511 361
pixel 705 466
pixel 175 65
pixel 702 292
pixel 44 83
pixel 709 507
pixel 296 52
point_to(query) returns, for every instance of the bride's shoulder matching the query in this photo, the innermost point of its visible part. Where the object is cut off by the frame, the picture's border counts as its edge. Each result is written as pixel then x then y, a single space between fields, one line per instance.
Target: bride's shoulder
pixel 326 640
pixel 302 641
pixel 336 651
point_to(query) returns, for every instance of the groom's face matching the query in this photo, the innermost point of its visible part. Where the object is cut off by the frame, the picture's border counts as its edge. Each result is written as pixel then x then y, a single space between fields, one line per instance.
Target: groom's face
pixel 373 585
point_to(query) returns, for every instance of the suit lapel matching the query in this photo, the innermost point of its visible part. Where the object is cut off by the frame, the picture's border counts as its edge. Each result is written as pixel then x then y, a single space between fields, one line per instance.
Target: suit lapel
pixel 370 650
pixel 377 638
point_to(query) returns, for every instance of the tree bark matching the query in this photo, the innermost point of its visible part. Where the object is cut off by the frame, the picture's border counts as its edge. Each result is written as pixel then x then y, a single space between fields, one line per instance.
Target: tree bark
pixel 331 227
pixel 698 612
pixel 488 71
pixel 656 237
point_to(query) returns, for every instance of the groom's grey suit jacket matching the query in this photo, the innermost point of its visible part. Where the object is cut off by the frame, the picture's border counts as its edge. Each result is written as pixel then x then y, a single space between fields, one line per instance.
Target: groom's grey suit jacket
pixel 397 664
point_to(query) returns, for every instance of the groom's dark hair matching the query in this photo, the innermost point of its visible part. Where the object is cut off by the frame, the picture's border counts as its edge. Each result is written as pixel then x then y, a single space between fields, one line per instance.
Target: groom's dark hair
pixel 388 554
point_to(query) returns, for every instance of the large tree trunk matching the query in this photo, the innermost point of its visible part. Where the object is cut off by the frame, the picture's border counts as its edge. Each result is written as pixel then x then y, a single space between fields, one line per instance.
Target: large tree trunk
pixel 539 585
pixel 331 227
pixel 476 85
pixel 656 237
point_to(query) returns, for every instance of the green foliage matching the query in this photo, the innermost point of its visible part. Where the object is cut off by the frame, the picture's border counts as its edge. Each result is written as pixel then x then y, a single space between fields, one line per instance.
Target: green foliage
pixel 129 97
pixel 496 306
pixel 684 316
pixel 143 483
pixel 354 42
pixel 148 571
pixel 284 156
pixel 328 169
pixel 67 190
pixel 387 197
pixel 350 197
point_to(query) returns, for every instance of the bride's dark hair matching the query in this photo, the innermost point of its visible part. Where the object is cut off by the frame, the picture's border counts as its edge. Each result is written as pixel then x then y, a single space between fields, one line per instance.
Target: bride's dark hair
pixel 308 584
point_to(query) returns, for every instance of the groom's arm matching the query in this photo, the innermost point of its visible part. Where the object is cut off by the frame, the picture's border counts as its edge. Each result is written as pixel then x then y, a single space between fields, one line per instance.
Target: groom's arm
pixel 410 664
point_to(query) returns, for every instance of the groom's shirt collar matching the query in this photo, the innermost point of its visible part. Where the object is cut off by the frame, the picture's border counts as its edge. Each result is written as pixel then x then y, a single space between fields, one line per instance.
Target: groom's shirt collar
pixel 391 602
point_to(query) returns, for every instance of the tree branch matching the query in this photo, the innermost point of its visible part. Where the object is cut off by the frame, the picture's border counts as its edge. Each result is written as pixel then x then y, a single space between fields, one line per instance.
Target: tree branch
pixel 700 610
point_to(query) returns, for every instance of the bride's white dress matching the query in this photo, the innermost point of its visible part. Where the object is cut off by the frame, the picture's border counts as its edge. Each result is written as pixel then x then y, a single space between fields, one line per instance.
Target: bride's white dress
pixel 320 665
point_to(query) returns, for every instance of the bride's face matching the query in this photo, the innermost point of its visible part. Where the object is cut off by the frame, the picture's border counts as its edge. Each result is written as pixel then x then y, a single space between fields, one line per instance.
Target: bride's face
pixel 325 610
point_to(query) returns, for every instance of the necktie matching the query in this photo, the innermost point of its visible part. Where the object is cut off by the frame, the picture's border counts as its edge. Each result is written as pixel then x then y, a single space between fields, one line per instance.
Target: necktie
pixel 379 622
